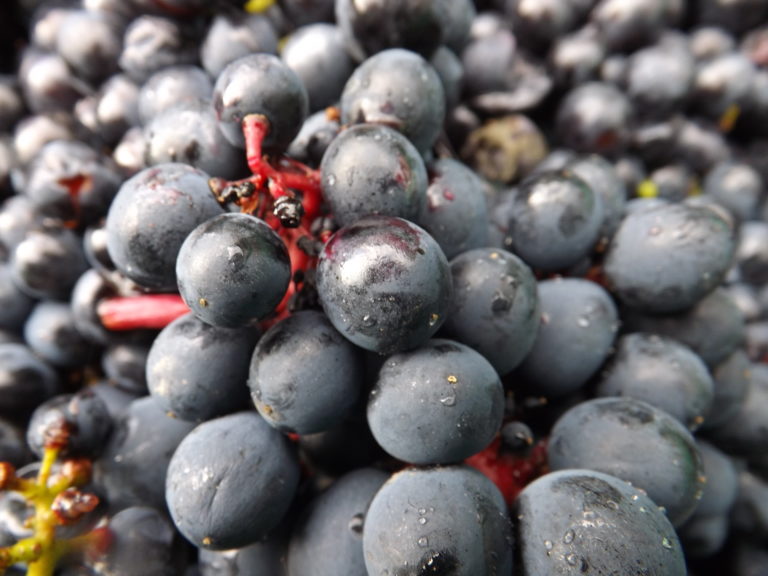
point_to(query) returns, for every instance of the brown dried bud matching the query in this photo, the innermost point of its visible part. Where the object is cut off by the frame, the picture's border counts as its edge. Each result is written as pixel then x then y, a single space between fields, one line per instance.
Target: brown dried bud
pixel 77 470
pixel 7 475
pixel 57 434
pixel 72 504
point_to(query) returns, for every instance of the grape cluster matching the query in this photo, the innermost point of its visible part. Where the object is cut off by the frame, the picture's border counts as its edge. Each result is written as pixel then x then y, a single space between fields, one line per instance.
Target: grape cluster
pixel 384 288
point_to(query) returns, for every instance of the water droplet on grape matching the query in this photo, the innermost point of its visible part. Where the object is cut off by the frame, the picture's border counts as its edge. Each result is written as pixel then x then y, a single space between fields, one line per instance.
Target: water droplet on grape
pixel 666 542
pixel 548 545
pixel 423 542
pixel 569 536
pixel 572 559
pixel 448 401
pixel 369 321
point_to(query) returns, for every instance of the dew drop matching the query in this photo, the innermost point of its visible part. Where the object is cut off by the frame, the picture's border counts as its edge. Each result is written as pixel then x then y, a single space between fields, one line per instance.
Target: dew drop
pixel 572 559
pixel 548 545
pixel 448 400
pixel 613 505
pixel 569 536
pixel 423 542
pixel 369 321
pixel 422 520
pixel 666 542
pixel 422 511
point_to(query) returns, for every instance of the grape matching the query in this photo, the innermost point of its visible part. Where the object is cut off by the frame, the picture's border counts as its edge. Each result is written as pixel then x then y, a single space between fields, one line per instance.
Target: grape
pixel 444 520
pixel 603 435
pixel 196 371
pixel 437 404
pixel 241 488
pixel 371 169
pixel 384 284
pixel 578 521
pixel 151 215
pixel 232 269
pixel 260 84
pixel 304 376
pixel 400 89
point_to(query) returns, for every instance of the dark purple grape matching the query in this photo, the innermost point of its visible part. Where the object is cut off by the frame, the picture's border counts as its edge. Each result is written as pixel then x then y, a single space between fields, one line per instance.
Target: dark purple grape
pixel 540 22
pixel 189 134
pixel 575 58
pixel 384 283
pixel 373 170
pixel 231 481
pixel 196 371
pixel 661 372
pixel 555 220
pixel 659 79
pixel 316 134
pixel 713 328
pixel 12 103
pixel 451 72
pixel 144 434
pixel 125 366
pixel 371 27
pixel 117 107
pixel 25 380
pixel 171 86
pixel 666 259
pixel 85 418
pixel 585 522
pixel 579 321
pixel 50 331
pixel 737 186
pixel 48 262
pixel 318 56
pixel 594 118
pixel 626 25
pixel 495 307
pixel 260 84
pixel 746 432
pixel 144 542
pixel 72 181
pixel 15 304
pixel 151 43
pixel 328 539
pixel 399 89
pixel 90 42
pixel 47 82
pixel 607 435
pixel 150 217
pixel 605 182
pixel 233 269
pixel 232 36
pixel 455 212
pixel 437 404
pixel 440 520
pixel 304 376
pixel 33 132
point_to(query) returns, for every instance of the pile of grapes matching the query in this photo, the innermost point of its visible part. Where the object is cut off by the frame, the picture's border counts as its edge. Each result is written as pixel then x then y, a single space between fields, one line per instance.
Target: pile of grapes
pixel 384 287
